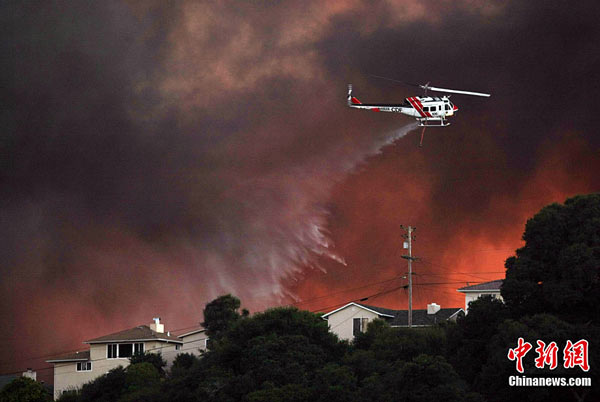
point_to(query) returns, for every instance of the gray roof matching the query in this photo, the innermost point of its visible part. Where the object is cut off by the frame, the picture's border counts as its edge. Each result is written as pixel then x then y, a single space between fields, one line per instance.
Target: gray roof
pixel 83 355
pixel 420 317
pixel 492 285
pixel 141 333
pixel 196 331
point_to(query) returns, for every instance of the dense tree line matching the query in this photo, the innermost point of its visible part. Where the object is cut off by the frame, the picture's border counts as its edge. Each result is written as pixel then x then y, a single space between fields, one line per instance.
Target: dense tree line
pixel 551 293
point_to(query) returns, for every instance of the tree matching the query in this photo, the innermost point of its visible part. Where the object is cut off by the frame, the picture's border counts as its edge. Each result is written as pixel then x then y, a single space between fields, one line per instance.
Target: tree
pixel 404 364
pixel 182 363
pixel 143 382
pixel 280 346
pixel 431 378
pixel 558 269
pixel 23 389
pixel 155 359
pixel 469 338
pixel 106 388
pixel 220 314
pixel 278 354
pixel 392 344
pixel 493 378
pixel 425 378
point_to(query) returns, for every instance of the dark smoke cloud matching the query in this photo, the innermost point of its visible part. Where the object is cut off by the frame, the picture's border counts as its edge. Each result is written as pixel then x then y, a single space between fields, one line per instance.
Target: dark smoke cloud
pixel 472 187
pixel 155 157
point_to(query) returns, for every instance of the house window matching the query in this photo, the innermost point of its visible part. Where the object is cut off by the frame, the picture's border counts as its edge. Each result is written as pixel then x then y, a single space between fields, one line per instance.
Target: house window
pixel 138 348
pixel 177 346
pixel 111 351
pixel 123 350
pixel 84 366
pixel 359 325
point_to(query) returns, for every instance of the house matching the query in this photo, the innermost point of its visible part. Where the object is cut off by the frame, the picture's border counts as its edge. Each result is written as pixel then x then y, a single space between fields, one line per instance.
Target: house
pixel 347 321
pixel 194 341
pixel 110 351
pixel 474 292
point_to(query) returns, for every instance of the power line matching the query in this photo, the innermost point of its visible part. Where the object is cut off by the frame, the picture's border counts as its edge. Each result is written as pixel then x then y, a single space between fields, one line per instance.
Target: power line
pixel 345 290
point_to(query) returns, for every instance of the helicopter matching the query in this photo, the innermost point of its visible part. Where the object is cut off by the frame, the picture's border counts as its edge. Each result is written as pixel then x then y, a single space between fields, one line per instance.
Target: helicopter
pixel 429 111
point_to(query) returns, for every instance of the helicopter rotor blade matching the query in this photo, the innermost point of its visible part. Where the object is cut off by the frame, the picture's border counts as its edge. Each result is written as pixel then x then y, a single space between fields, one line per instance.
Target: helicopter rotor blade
pixel 454 91
pixel 426 87
pixel 393 80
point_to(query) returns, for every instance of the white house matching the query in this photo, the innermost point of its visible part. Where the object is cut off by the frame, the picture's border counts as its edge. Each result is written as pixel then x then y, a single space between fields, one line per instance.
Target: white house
pixel 107 352
pixel 347 321
pixel 474 292
pixel 194 342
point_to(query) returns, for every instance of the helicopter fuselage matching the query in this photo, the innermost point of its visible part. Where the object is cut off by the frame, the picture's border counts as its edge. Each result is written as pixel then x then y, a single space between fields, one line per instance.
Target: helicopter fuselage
pixel 428 110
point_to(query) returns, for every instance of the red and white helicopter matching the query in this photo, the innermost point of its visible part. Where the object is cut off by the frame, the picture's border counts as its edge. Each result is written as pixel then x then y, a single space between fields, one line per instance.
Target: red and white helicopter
pixel 429 111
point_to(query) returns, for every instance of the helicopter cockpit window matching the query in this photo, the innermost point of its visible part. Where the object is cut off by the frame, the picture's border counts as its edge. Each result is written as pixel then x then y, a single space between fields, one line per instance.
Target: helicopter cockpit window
pixel 447 107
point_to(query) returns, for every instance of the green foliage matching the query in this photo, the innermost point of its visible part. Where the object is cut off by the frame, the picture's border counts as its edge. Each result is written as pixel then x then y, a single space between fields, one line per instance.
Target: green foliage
pixel 402 364
pixel 155 359
pixel 493 379
pixel 183 363
pixel 424 378
pixel 286 393
pixel 557 271
pixel 106 388
pixel 335 383
pixel 143 382
pixel 69 396
pixel 427 378
pixel 284 354
pixel 469 338
pixel 138 382
pixel 140 375
pixel 392 344
pixel 23 389
pixel 220 314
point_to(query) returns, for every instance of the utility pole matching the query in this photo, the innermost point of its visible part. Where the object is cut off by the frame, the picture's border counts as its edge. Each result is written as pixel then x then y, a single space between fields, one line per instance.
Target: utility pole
pixel 410 259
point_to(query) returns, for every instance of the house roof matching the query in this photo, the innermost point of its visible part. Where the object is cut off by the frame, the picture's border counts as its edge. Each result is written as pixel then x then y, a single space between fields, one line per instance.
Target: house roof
pixel 492 285
pixel 82 355
pixel 399 318
pixel 137 334
pixel 419 317
pixel 196 331
pixel 375 310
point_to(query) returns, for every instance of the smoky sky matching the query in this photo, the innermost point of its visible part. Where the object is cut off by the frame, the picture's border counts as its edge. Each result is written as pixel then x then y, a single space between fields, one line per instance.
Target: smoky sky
pixel 154 156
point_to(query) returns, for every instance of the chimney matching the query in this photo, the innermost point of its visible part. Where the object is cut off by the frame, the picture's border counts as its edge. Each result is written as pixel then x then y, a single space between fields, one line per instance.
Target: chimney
pixel 157 326
pixel 30 374
pixel 433 308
